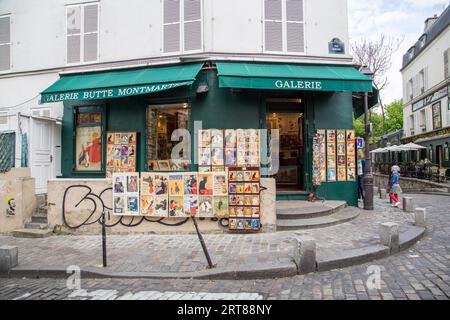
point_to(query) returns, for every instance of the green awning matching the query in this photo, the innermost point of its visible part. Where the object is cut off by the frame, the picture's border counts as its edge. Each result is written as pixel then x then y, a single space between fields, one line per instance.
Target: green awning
pixel 291 77
pixel 358 102
pixel 118 84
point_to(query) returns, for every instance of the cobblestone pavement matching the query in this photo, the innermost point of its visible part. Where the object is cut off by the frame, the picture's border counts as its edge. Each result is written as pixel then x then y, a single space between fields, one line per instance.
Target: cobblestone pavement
pixel 422 272
pixel 183 253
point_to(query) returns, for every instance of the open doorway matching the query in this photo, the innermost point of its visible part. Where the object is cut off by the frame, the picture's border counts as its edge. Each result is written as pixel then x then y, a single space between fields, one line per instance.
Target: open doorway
pixel 287 116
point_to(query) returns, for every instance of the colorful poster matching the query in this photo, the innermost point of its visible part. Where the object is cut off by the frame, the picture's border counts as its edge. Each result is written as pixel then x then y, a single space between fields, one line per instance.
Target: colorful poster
pixel 161 208
pixel 316 177
pixel 176 185
pixel 126 194
pixel 341 155
pixel 176 207
pixel 205 207
pixel 120 152
pixel 161 184
pixel 331 155
pixel 190 205
pixel 190 183
pixel 220 206
pixel 205 183
pixel 148 205
pixel 323 164
pixel 220 183
pixel 351 155
pixel 88 148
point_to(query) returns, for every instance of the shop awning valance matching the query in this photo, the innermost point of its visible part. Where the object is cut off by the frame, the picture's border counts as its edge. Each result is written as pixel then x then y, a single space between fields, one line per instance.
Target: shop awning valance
pixel 292 77
pixel 118 84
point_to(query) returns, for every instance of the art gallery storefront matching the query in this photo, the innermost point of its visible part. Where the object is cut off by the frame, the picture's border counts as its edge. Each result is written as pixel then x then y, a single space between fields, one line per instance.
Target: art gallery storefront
pixel 127 121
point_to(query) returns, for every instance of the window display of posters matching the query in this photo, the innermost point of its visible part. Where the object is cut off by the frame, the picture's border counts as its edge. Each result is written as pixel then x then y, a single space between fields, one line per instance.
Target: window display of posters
pixel 88 148
pixel 341 155
pixel 331 155
pixel 323 164
pixel 351 155
pixel 126 194
pixel 120 152
pixel 229 147
pixel 164 165
pixel 244 199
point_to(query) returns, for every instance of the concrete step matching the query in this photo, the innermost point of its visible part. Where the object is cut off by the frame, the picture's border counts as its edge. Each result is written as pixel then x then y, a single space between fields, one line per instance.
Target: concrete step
pixel 32 233
pixel 307 210
pixel 35 225
pixel 35 218
pixel 343 215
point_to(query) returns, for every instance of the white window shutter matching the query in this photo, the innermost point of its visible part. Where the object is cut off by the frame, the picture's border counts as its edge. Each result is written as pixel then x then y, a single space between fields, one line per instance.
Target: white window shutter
pixel 172 38
pixel 5 43
pixel 90 33
pixel 192 25
pixel 74 20
pixel 192 10
pixel 171 11
pixel 294 10
pixel 192 36
pixel 171 27
pixel 295 37
pixel 91 18
pixel 446 63
pixel 90 47
pixel 73 49
pixel 274 36
pixel 273 10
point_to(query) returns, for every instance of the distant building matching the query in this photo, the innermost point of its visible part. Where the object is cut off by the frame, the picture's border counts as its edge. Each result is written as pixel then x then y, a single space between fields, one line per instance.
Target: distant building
pixel 426 81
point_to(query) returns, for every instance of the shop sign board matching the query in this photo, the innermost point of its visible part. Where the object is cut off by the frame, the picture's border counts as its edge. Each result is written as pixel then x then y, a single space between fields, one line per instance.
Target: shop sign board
pixel 109 93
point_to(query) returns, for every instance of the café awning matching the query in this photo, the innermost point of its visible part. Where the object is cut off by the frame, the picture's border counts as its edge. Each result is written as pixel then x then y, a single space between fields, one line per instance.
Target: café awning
pixel 118 84
pixel 292 77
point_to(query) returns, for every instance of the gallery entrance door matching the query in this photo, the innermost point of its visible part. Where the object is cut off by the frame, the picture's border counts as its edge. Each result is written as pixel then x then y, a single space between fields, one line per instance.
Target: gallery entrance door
pixel 286 116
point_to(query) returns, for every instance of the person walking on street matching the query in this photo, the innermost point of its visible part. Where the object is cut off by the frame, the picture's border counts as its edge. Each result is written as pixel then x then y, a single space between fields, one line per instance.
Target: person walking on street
pixel 394 186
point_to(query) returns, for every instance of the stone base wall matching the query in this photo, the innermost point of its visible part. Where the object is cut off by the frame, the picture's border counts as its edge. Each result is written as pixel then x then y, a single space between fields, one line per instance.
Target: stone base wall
pixel 17 199
pixel 410 184
pixel 75 202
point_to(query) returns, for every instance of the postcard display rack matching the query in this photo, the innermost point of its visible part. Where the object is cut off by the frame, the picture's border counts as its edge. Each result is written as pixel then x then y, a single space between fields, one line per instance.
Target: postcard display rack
pixel 338 148
pixel 120 152
pixel 244 199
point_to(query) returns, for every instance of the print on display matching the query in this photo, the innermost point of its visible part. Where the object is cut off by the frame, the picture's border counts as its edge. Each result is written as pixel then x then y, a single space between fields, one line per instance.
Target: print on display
pixel 120 152
pixel 126 194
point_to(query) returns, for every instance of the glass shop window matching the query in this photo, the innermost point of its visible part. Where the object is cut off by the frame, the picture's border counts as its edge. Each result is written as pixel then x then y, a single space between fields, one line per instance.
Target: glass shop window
pixel 437 121
pixel 88 140
pixel 162 121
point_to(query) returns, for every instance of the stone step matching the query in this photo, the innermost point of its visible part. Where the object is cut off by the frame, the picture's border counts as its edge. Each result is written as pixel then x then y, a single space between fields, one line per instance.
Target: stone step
pixel 32 233
pixel 344 215
pixel 35 218
pixel 303 210
pixel 35 225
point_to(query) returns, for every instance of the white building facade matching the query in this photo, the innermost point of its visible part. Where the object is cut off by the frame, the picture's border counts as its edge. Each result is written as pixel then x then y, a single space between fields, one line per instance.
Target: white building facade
pixel 426 79
pixel 41 41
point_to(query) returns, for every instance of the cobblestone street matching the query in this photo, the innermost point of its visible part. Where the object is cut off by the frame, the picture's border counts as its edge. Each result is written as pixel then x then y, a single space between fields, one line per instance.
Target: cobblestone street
pixel 422 272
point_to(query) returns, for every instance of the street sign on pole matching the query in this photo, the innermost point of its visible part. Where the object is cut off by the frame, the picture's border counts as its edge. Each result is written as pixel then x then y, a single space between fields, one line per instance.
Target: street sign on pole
pixel 359 143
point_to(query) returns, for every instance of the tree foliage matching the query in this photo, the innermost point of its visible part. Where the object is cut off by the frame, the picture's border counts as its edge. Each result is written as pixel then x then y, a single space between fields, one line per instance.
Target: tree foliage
pixel 393 121
pixel 377 56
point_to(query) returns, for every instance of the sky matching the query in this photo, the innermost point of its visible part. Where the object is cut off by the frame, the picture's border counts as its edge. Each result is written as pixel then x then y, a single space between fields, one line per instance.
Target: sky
pixel 401 19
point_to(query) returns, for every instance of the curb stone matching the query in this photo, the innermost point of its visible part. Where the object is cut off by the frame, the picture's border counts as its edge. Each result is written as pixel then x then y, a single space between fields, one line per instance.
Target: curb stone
pixel 285 268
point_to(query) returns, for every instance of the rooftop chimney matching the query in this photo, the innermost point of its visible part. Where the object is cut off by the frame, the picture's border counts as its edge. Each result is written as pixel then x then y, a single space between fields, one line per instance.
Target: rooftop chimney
pixel 429 22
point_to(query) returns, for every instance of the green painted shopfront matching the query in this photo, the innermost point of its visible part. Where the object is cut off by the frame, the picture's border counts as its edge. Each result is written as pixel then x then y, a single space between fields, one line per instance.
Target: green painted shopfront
pixel 300 101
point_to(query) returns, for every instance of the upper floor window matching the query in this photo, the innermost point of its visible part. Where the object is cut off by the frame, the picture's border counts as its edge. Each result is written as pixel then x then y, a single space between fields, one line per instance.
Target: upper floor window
pixel 446 63
pixel 82 33
pixel 182 26
pixel 284 26
pixel 5 43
